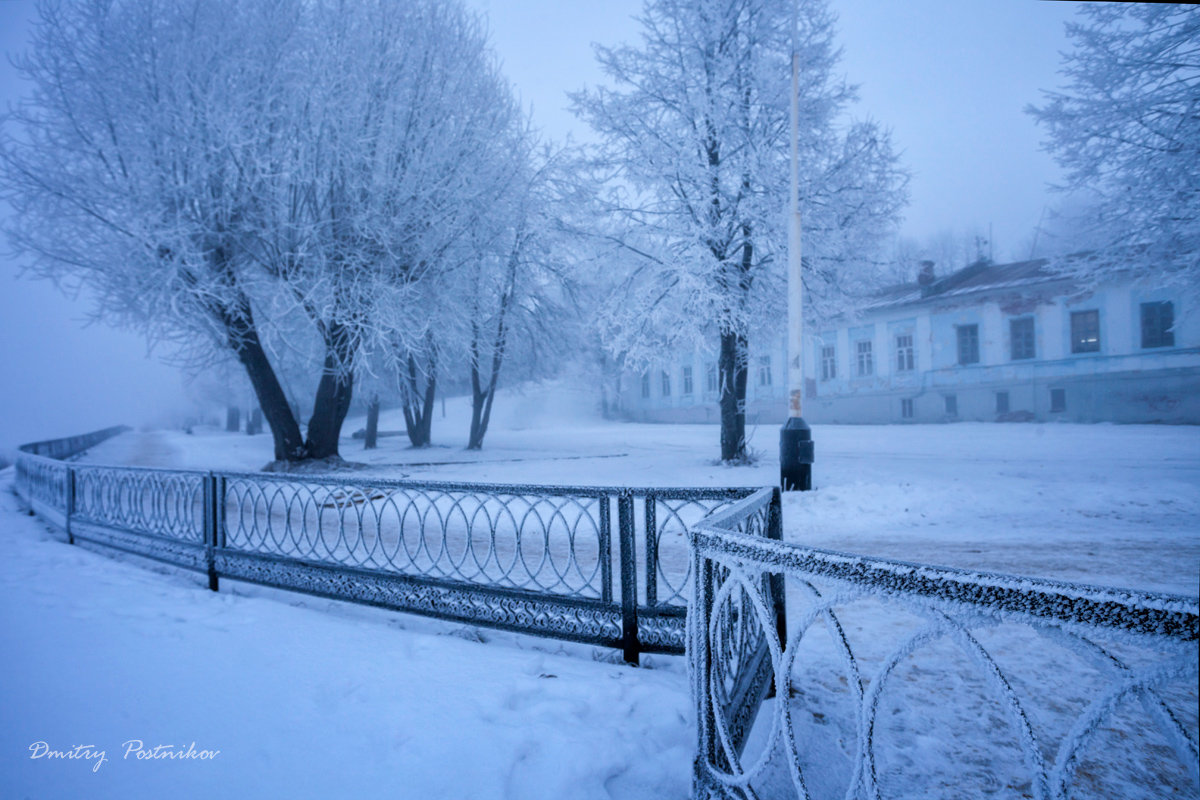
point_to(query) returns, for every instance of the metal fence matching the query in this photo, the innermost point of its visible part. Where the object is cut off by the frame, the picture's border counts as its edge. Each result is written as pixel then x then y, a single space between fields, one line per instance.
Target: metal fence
pixel 905 680
pixel 72 445
pixel 893 679
pixel 602 565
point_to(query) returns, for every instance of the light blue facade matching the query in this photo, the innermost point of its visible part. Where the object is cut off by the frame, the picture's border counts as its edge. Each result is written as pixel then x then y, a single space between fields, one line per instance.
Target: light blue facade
pixel 988 343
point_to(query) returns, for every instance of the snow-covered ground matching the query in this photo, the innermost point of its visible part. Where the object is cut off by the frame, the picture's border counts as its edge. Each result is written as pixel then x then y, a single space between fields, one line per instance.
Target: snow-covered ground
pixel 308 698
pixel 304 698
pixel 1115 505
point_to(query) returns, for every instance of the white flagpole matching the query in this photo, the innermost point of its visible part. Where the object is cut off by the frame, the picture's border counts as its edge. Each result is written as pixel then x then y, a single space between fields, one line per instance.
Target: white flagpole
pixel 795 439
pixel 795 276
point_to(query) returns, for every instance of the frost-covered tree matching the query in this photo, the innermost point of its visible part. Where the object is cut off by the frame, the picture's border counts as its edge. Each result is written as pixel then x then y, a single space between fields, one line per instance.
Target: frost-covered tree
pixel 254 176
pixel 135 161
pixel 407 124
pixel 1126 128
pixel 519 290
pixel 695 144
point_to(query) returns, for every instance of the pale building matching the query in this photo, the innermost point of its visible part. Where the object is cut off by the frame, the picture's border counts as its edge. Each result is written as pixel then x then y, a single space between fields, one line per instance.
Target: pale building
pixel 1008 342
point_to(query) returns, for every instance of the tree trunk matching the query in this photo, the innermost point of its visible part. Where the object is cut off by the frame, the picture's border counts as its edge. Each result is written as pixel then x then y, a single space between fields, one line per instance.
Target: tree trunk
pixel 233 419
pixel 481 401
pixel 418 404
pixel 243 339
pixel 481 398
pixel 734 361
pixel 334 393
pixel 732 373
pixel 372 423
pixel 481 410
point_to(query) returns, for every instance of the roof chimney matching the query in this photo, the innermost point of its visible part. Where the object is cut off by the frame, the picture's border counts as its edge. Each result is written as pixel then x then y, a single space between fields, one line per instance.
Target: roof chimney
pixel 926 277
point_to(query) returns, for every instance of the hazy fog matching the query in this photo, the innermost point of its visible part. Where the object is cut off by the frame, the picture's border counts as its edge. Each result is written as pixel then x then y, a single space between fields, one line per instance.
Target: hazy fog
pixel 950 79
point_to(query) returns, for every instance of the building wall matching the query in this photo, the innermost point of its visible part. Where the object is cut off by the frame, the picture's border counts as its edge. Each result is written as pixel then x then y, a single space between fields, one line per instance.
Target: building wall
pixel 1120 382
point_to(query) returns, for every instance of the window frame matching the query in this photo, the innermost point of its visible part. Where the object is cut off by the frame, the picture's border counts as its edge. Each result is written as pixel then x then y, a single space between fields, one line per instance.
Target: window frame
pixel 969 335
pixel 1079 344
pixel 906 359
pixel 764 371
pixel 864 358
pixel 1164 335
pixel 1028 339
pixel 828 362
pixel 687 387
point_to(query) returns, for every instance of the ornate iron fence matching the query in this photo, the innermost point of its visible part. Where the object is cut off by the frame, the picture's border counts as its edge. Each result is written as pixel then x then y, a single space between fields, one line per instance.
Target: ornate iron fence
pixel 1028 688
pixel 72 445
pixel 603 565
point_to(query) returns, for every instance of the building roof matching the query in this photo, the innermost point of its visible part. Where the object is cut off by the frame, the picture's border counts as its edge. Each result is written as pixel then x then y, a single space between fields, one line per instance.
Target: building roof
pixel 978 278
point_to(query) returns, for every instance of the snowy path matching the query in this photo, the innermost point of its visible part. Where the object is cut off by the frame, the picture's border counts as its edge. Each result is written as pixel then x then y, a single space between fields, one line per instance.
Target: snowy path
pixel 1115 505
pixel 300 702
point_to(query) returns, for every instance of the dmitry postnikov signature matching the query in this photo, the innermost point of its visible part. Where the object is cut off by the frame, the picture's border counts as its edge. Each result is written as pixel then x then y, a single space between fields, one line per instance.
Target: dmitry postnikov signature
pixel 133 748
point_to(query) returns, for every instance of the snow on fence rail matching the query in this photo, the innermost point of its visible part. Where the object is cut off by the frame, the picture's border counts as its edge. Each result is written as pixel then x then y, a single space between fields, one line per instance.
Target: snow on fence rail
pixel 905 680
pixel 603 565
pixel 894 680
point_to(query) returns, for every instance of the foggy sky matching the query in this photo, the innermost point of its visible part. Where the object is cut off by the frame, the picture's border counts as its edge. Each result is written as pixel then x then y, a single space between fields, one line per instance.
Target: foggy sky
pixel 949 78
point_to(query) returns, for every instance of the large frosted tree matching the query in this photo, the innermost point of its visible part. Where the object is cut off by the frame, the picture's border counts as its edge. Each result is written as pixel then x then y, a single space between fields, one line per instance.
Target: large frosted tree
pixel 695 154
pixel 1126 129
pixel 136 158
pixel 237 177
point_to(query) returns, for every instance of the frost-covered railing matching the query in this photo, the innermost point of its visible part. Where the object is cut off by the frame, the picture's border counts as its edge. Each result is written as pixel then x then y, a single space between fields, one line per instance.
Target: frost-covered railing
pixel 44 481
pixel 904 680
pixel 603 565
pixel 72 445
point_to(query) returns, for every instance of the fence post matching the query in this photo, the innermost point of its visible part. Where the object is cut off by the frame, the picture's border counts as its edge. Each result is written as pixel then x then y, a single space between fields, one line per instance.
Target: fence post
pixel 700 661
pixel 628 537
pixel 775 531
pixel 70 503
pixel 651 550
pixel 212 526
pixel 606 587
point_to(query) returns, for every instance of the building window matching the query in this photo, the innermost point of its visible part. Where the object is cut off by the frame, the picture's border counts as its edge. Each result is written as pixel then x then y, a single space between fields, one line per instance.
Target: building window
pixel 951 405
pixel 645 385
pixel 828 362
pixel 764 371
pixel 906 410
pixel 904 353
pixel 1085 331
pixel 666 384
pixel 1058 399
pixel 866 366
pixel 968 344
pixel 1157 321
pixel 1021 338
pixel 687 380
pixel 1001 402
pixel 712 383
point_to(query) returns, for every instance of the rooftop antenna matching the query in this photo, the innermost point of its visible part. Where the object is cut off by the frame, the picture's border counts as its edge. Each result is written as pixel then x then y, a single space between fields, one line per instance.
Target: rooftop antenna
pixel 1037 232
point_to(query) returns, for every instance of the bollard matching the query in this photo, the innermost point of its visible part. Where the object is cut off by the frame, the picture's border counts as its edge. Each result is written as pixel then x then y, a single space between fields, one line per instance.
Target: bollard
pixel 795 456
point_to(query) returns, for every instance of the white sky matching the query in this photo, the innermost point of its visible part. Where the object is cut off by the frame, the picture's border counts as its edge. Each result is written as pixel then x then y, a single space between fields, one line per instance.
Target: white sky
pixel 949 77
